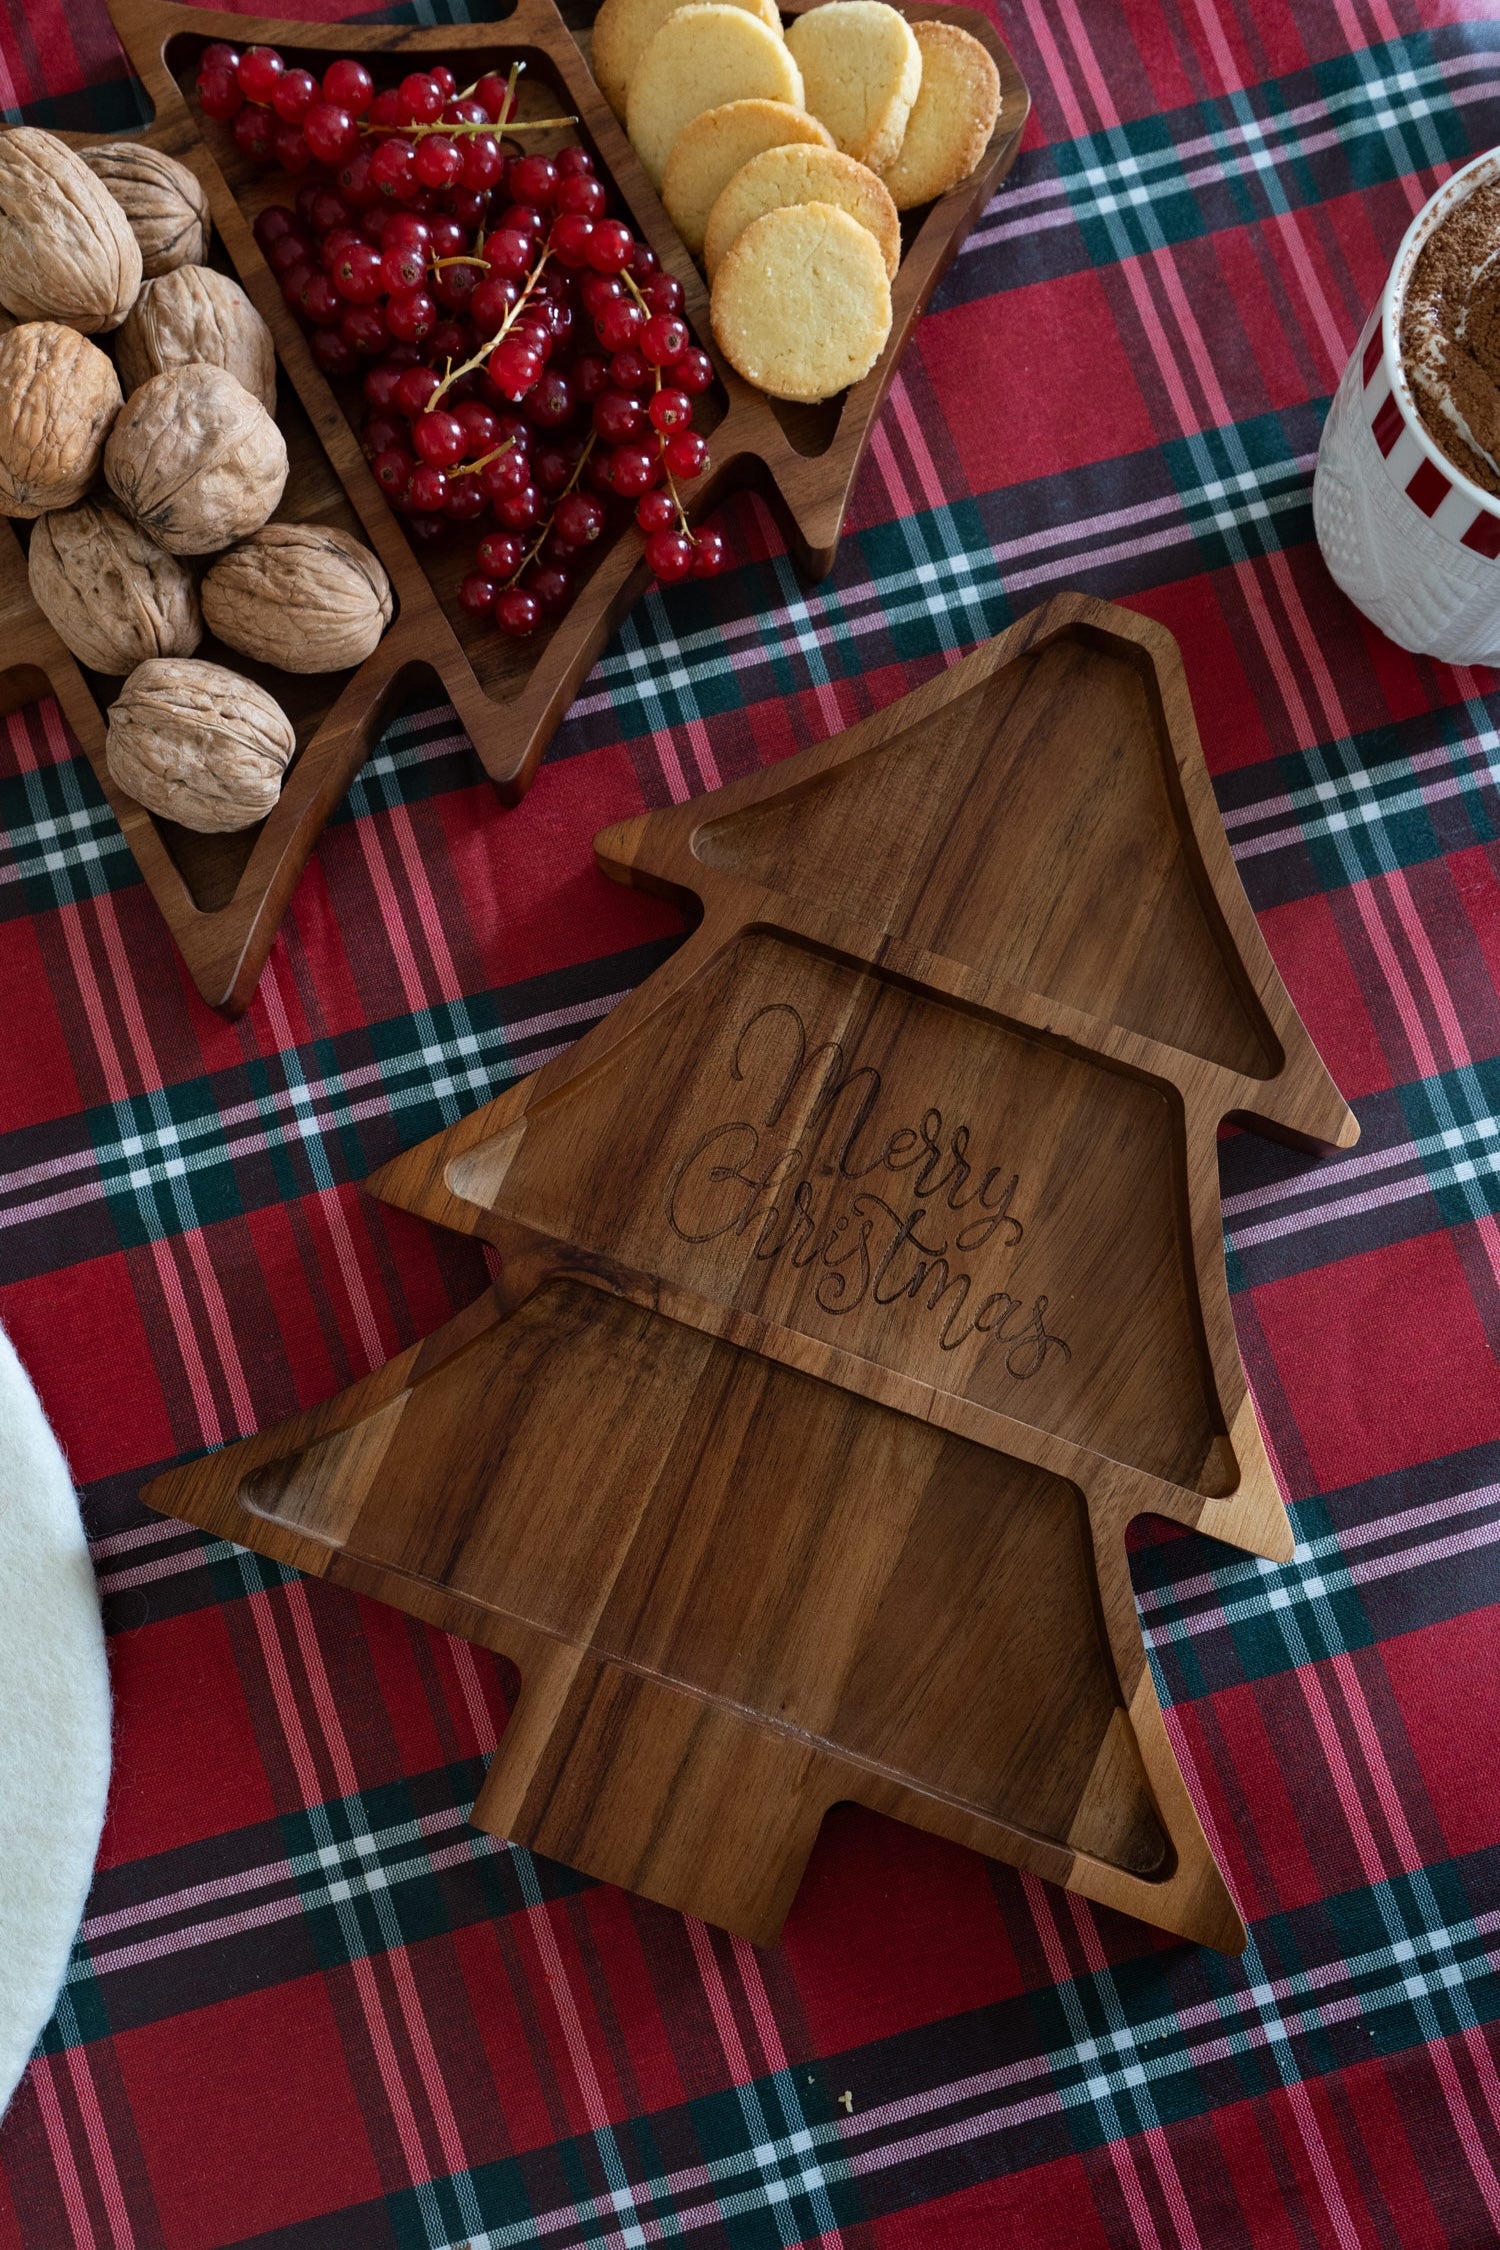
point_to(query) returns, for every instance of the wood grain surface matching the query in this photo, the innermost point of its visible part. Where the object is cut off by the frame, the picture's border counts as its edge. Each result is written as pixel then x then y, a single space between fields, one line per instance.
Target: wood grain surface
pixel 862 1278
pixel 224 897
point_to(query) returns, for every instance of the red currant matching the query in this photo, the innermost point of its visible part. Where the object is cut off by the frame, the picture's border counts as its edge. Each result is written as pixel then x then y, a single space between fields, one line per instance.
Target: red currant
pixel 393 470
pixel 656 511
pixel 598 290
pixel 320 301
pixel 405 231
pixel 447 238
pixel 478 594
pixel 670 410
pixel 571 239
pixel 348 85
pixel 694 372
pixel 357 274
pixel 381 434
pixel 501 553
pixel 517 612
pixel 670 555
pixel 385 110
pixel 634 469
pixel 440 162
pixel 393 170
pixel 439 438
pixel 380 386
pixel 411 315
pixel 219 93
pixel 327 210
pixel 619 324
pixel 494 93
pixel 483 162
pixel 663 293
pixel 582 195
pixel 643 264
pixel 552 586
pixel 255 134
pixel 293 92
pixel 331 353
pixel 550 402
pixel 533 179
pixel 508 472
pixel 414 390
pixel 403 269
pixel 629 372
pixel 551 468
pixel 518 510
pixel 445 80
pixel 465 500
pixel 664 339
pixel 364 329
pixel 420 99
pixel 481 428
pixel 260 68
pixel 579 519
pixel 618 417
pixel 429 486
pixel 610 246
pixel 292 151
pixel 589 377
pixel 286 251
pixel 355 184
pixel 574 162
pixel 220 57
pixel 709 555
pixel 686 454
pixel 491 301
pixel 514 366
pixel 332 134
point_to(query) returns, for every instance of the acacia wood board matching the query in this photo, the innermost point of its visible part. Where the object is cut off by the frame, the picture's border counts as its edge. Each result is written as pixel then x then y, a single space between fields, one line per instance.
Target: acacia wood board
pixel 224 896
pixel 861 1279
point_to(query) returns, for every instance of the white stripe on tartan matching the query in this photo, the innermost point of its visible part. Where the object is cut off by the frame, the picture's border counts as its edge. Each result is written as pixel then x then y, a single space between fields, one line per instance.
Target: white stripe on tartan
pixel 1101 201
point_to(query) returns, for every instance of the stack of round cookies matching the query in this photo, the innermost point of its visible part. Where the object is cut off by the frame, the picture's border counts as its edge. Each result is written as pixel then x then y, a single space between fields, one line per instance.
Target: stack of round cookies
pixel 784 161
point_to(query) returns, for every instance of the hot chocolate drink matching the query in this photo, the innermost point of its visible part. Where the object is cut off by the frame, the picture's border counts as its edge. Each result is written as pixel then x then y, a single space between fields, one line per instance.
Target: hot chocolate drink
pixel 1450 336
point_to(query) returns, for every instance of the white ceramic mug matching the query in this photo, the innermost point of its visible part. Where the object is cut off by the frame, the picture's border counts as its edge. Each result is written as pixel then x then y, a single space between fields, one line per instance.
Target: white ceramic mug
pixel 1410 539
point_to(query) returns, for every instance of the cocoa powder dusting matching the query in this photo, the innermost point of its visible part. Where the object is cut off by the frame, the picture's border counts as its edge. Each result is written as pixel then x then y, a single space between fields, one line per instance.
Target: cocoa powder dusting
pixel 1450 337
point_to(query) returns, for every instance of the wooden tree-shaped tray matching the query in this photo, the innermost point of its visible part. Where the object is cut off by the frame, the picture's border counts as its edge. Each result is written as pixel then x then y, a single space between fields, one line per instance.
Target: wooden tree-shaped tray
pixel 224 896
pixel 862 1278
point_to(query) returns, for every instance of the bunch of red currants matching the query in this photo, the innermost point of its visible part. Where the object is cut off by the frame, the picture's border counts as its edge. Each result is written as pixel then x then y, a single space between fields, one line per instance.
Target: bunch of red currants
pixel 523 355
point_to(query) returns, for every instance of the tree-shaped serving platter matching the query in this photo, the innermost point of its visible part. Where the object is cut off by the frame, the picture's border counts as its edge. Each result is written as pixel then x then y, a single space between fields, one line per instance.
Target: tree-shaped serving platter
pixel 861 1279
pixel 224 896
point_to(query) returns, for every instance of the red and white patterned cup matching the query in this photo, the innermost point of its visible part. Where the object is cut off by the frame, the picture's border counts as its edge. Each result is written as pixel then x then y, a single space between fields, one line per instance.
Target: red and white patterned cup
pixel 1410 539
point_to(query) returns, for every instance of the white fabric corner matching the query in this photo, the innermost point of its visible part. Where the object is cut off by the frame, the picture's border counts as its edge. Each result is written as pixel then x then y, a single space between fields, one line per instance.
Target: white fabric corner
pixel 54 1719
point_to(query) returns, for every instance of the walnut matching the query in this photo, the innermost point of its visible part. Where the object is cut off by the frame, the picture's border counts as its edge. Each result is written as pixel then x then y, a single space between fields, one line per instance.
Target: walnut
pixel 163 202
pixel 58 397
pixel 194 314
pixel 300 596
pixel 113 595
pixel 198 744
pixel 196 460
pixel 66 249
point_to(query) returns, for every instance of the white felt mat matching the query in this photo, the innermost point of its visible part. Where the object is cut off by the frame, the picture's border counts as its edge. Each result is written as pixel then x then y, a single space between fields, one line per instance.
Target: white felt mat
pixel 54 1719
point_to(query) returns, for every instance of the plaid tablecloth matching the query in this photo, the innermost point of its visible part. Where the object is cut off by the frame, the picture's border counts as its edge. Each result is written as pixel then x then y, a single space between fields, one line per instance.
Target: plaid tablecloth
pixel 310 2008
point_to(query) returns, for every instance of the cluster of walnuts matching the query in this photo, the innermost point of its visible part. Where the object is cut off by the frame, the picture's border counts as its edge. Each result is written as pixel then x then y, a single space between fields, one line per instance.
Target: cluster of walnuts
pixel 179 424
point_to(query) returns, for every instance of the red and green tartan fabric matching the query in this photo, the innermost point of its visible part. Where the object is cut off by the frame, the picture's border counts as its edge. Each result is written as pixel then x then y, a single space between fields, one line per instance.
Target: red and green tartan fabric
pixel 310 2008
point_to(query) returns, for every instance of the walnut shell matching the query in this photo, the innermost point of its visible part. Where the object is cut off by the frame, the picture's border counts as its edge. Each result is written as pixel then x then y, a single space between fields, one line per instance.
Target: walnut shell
pixel 114 596
pixel 58 398
pixel 194 315
pixel 66 249
pixel 163 202
pixel 300 596
pixel 196 460
pixel 198 744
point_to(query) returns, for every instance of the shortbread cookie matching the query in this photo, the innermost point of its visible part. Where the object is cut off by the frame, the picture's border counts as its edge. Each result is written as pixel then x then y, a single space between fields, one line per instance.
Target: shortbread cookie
pixel 802 306
pixel 624 29
pixel 784 176
pixel 707 154
pixel 952 117
pixel 702 57
pixel 861 67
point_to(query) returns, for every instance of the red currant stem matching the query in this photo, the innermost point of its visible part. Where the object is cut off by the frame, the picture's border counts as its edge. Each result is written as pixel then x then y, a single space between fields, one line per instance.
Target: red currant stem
pixel 451 374
pixel 541 538
pixel 472 468
pixel 438 264
pixel 661 442
pixel 454 132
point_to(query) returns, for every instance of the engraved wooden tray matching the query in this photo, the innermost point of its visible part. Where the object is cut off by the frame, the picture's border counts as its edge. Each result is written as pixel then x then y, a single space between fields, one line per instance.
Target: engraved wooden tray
pixel 224 896
pixel 862 1279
